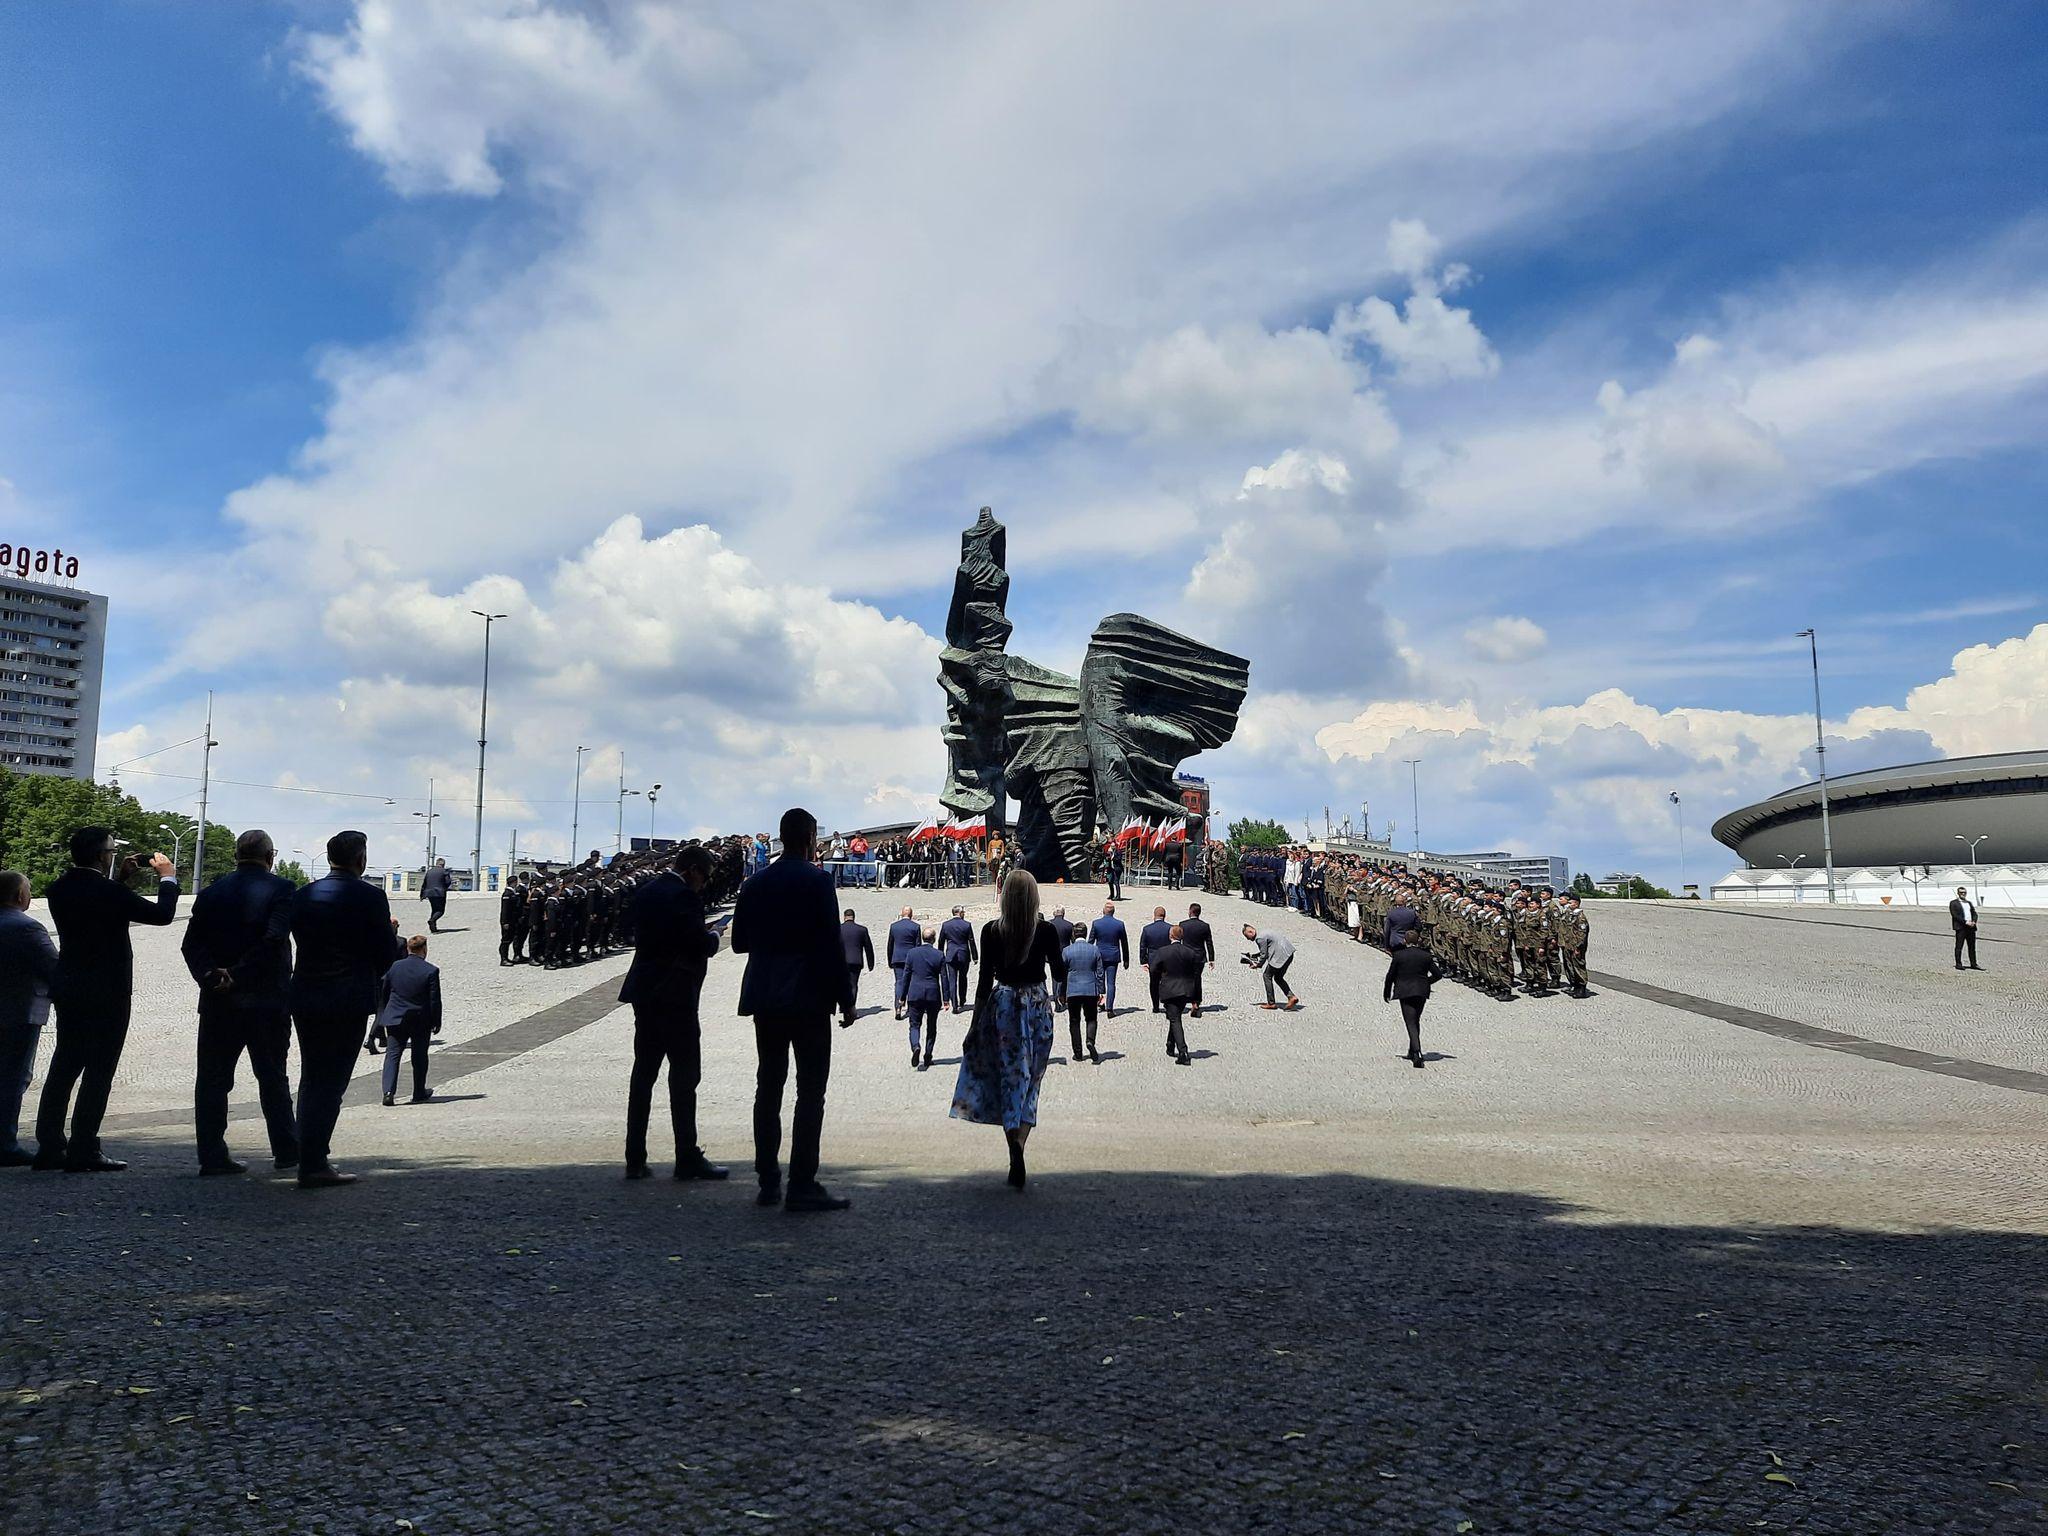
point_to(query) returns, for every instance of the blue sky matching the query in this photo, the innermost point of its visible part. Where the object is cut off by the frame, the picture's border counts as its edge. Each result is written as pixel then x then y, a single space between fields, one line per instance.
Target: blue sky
pixel 1507 383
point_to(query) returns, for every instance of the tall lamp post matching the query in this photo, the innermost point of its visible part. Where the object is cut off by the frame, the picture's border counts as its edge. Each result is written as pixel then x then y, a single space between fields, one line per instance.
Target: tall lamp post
pixel 1976 889
pixel 653 794
pixel 1820 752
pixel 483 715
pixel 576 816
pixel 205 784
pixel 177 842
pixel 1681 842
pixel 1414 802
pixel 619 836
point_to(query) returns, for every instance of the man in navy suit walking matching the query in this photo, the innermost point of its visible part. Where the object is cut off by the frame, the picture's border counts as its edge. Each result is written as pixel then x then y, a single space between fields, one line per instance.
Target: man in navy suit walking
pixel 1110 937
pixel 904 936
pixel 238 948
pixel 672 947
pixel 858 948
pixel 785 923
pixel 1154 936
pixel 409 1013
pixel 956 943
pixel 341 925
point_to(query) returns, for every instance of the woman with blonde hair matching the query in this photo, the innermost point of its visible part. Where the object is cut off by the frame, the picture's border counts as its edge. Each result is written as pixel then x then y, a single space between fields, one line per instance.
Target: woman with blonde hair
pixel 1010 1041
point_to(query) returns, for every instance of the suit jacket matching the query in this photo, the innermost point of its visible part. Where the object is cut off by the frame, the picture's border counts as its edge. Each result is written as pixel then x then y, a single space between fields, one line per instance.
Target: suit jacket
pixel 905 934
pixel 956 938
pixel 786 923
pixel 409 997
pixel 342 928
pixel 1064 929
pixel 436 882
pixel 671 947
pixel 1109 936
pixel 1411 971
pixel 1084 969
pixel 1401 919
pixel 923 967
pixel 1197 935
pixel 859 948
pixel 242 924
pixel 1275 949
pixel 95 961
pixel 28 964
pixel 1179 970
pixel 1153 936
pixel 1956 918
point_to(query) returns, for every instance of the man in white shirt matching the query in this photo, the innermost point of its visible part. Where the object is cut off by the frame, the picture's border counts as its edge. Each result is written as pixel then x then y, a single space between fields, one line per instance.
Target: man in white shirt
pixel 1962 916
pixel 1291 878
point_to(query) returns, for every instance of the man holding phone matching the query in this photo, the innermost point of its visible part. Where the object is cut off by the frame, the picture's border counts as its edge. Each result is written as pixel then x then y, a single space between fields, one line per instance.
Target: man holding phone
pixel 92 992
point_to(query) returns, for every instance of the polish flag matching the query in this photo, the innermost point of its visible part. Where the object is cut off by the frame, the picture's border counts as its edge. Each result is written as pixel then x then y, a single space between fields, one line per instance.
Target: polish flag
pixel 924 831
pixel 974 829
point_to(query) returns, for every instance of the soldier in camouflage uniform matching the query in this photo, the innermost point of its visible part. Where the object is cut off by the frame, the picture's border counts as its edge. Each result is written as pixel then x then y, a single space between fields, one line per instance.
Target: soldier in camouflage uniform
pixel 1571 927
pixel 1531 935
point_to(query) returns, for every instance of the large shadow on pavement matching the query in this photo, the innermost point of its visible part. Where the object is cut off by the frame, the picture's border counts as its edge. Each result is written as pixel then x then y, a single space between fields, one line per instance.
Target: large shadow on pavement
pixel 553 1349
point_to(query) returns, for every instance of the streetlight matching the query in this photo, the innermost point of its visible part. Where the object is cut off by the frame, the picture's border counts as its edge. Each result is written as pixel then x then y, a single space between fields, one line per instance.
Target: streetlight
pixel 653 794
pixel 1414 802
pixel 1681 842
pixel 177 840
pixel 619 837
pixel 576 816
pixel 483 715
pixel 1973 842
pixel 1792 862
pixel 1820 752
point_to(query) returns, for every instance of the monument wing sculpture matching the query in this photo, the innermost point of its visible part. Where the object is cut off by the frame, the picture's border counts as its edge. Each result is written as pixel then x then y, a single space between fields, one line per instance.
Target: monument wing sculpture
pixel 1072 753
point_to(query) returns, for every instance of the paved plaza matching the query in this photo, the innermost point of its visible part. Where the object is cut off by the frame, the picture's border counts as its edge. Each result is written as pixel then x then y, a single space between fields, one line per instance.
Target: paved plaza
pixel 1755 1238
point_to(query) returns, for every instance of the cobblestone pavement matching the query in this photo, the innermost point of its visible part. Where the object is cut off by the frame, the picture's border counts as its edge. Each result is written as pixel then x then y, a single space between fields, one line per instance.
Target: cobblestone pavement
pixel 1603 1266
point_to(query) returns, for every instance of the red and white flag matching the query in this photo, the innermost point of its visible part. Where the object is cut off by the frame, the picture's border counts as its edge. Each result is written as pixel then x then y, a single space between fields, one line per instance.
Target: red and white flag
pixel 923 831
pixel 972 830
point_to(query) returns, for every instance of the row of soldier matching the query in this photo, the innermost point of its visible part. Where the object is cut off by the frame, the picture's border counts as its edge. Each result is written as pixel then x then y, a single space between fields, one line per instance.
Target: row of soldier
pixel 584 913
pixel 1499 941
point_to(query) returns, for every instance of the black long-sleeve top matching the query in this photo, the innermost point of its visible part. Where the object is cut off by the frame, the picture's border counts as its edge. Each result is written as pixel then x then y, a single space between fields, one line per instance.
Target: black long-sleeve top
pixel 997 966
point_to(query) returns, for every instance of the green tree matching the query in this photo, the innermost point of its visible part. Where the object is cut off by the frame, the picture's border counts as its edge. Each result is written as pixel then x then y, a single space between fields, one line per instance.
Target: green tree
pixel 291 871
pixel 1249 832
pixel 1639 889
pixel 39 812
pixel 1582 885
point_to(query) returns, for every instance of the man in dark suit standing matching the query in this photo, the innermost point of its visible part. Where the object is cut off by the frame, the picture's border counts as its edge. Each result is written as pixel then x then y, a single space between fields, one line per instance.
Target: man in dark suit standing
pixel 858 948
pixel 672 950
pixel 796 975
pixel 341 925
pixel 1962 916
pixel 409 1009
pixel 434 887
pixel 1196 934
pixel 1114 869
pixel 238 948
pixel 1401 918
pixel 1155 935
pixel 92 992
pixel 28 964
pixel 1114 942
pixel 512 922
pixel 904 936
pixel 956 943
pixel 1062 926
pixel 1179 969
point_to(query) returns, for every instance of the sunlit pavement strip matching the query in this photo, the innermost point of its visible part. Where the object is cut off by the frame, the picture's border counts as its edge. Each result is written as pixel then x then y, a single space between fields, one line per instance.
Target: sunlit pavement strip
pixel 1604 1266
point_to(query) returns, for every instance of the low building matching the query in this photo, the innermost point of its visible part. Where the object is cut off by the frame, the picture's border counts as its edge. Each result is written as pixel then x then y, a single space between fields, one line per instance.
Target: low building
pixel 1896 885
pixel 1529 868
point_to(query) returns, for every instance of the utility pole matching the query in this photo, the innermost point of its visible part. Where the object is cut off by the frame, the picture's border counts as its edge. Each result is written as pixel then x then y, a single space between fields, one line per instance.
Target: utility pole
pixel 1414 801
pixel 653 794
pixel 205 782
pixel 1820 752
pixel 619 837
pixel 483 715
pixel 576 816
pixel 1681 841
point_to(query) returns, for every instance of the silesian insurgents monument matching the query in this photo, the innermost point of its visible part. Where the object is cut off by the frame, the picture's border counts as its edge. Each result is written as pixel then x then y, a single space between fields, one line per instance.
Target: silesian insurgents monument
pixel 1071 752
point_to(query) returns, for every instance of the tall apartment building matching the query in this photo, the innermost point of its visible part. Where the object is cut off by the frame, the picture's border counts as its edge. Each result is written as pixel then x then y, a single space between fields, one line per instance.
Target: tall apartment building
pixel 53 643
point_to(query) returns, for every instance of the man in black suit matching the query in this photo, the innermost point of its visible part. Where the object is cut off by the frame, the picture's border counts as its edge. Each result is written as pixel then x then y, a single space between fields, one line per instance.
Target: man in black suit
pixel 663 984
pixel 1062 926
pixel 512 922
pixel 238 948
pixel 1962 916
pixel 341 925
pixel 1179 969
pixel 1411 971
pixel 1195 933
pixel 1401 918
pixel 94 986
pixel 1155 935
pixel 434 887
pixel 956 943
pixel 904 936
pixel 796 976
pixel 1113 869
pixel 409 1009
pixel 858 948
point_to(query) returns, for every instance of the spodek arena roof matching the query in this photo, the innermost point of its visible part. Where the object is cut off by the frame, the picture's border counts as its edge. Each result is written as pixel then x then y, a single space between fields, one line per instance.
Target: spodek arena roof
pixel 1907 815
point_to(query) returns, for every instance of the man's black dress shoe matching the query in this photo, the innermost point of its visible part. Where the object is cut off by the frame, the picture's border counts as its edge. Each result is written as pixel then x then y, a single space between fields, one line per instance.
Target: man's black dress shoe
pixel 699 1167
pixel 423 1096
pixel 16 1157
pixel 771 1194
pixel 324 1178
pixel 390 1099
pixel 207 1170
pixel 99 1162
pixel 285 1164
pixel 813 1198
pixel 638 1171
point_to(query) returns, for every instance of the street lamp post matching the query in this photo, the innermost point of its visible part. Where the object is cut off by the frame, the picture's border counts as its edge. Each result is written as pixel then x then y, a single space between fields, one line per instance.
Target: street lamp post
pixel 177 842
pixel 483 715
pixel 1820 752
pixel 1414 802
pixel 576 816
pixel 1681 842
pixel 1792 862
pixel 205 783
pixel 1975 886
pixel 653 794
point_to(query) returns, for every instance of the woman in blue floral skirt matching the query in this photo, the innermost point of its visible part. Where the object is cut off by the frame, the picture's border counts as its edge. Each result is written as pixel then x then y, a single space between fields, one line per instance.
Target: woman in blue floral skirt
pixel 1010 1041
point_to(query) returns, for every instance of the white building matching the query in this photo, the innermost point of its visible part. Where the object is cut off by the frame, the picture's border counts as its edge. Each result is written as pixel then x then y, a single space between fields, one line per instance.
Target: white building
pixel 1911 885
pixel 52 650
